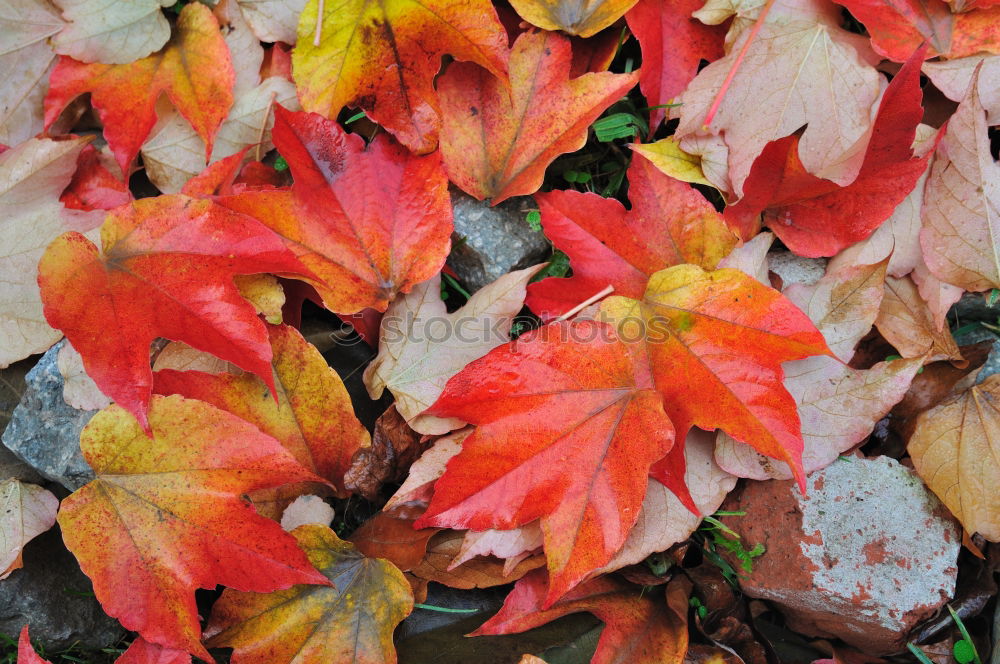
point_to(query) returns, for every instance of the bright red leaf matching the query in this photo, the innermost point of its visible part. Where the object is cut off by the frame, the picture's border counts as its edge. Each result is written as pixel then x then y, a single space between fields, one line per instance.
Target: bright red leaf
pixel 25 653
pixel 669 223
pixel 165 269
pixel 142 651
pixel 193 70
pixel 93 186
pixel 816 217
pixel 568 425
pixel 371 221
pixel 166 515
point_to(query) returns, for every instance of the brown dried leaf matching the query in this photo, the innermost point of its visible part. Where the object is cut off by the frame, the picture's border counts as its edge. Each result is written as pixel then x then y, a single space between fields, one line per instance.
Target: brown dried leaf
pixel 395 446
pixel 906 322
pixel 478 573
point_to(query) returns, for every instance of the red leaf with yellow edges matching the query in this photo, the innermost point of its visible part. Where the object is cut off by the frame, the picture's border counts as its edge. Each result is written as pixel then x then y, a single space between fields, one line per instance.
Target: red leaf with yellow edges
pixel 669 223
pixel 166 515
pixel 569 423
pixel 716 341
pixel 371 221
pixel 817 217
pixel 165 269
pixel 193 70
pixel 639 626
pixel 497 140
pixel 383 56
pixel 349 620
pixel 312 418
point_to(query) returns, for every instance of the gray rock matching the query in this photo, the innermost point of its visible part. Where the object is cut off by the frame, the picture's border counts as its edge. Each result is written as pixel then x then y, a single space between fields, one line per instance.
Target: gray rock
pixel 55 598
pixel 867 555
pixel 489 242
pixel 992 364
pixel 45 431
pixel 973 307
pixel 795 269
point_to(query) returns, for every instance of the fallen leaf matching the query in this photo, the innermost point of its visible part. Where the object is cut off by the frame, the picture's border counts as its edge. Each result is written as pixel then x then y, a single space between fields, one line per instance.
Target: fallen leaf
pixel 310 412
pixel 428 468
pixel 574 17
pixel 305 510
pixel 165 516
pixel 165 269
pixel 664 519
pixel 180 356
pixel 838 407
pixel 843 304
pixel 497 140
pixel 673 44
pixel 953 448
pixel 367 244
pixel 751 258
pixel 112 35
pixel 382 57
pixel 142 651
pixel 727 335
pixel 667 155
pixel 194 71
pixel 640 628
pixel 588 424
pixel 32 175
pixel 908 325
pixel 394 448
pixel 390 535
pixel 511 546
pixel 439 565
pixel 26 60
pixel 79 390
pixel 349 620
pixel 26 511
pixel 819 217
pixel 94 186
pixel 670 223
pixel 961 229
pixel 793 74
pixel 25 653
pixel 953 77
pixel 273 20
pixel 938 295
pixel 898 27
pixel 421 345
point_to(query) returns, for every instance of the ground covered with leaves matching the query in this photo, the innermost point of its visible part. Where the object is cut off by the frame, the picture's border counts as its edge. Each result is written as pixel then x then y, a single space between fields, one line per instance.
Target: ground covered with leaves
pixel 771 259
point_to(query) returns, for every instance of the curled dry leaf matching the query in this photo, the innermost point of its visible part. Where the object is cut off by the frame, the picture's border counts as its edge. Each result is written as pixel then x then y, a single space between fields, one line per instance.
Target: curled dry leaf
pixel 187 480
pixel 421 345
pixel 306 509
pixel 26 511
pixel 511 546
pixel 667 155
pixel 953 78
pixel 906 322
pixel 439 565
pixel 32 176
pixel 79 390
pixel 954 448
pixel 961 230
pixel 394 448
pixel 419 482
pixel 349 619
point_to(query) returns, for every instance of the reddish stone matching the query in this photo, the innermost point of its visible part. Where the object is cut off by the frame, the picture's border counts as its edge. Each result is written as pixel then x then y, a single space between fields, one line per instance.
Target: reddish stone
pixel 866 556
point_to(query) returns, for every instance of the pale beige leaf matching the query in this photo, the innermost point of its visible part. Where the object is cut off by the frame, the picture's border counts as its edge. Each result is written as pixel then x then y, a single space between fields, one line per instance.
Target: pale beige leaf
pixel 79 390
pixel 428 468
pixel 245 48
pixel 843 304
pixel 421 345
pixel 838 407
pixel 898 238
pixel 751 258
pixel 953 77
pixel 795 73
pixel 938 295
pixel 175 153
pixel 112 31
pixel 663 520
pixel 26 511
pixel 306 509
pixel 906 323
pixel 26 58
pixel 961 234
pixel 178 355
pixel 955 449
pixel 32 176
pixel 511 546
pixel 273 20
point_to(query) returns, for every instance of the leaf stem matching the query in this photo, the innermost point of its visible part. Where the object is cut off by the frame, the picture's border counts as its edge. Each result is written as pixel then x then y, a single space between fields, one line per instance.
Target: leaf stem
pixel 320 10
pixel 758 24
pixel 442 609
pixel 586 303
